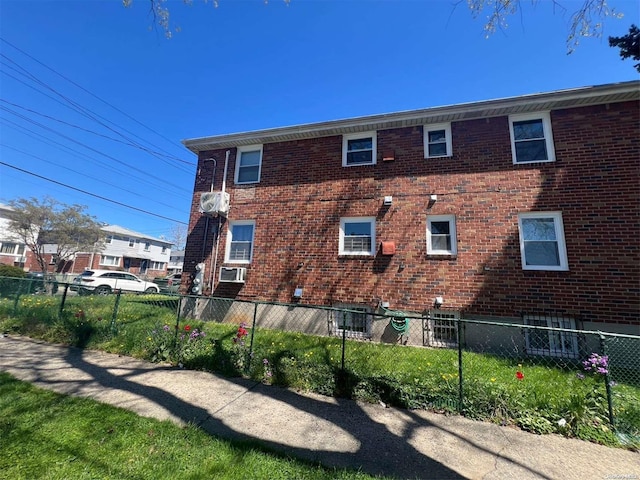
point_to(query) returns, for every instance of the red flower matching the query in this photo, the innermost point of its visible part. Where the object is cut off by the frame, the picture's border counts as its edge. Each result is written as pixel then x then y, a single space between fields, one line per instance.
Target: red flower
pixel 519 375
pixel 187 328
pixel 242 332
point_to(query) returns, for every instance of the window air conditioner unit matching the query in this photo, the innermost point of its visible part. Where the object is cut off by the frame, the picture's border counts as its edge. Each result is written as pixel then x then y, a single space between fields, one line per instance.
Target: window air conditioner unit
pixel 215 203
pixel 233 274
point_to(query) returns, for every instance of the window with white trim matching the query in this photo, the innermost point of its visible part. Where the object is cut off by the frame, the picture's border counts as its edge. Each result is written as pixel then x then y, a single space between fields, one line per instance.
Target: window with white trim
pixel 357 236
pixel 132 242
pixel 147 246
pixel 542 245
pixel 359 149
pixel 248 164
pixel 531 138
pixel 156 265
pixel 240 241
pixel 353 322
pixel 8 247
pixel 109 260
pixel 108 239
pixel 553 343
pixel 441 235
pixel 437 140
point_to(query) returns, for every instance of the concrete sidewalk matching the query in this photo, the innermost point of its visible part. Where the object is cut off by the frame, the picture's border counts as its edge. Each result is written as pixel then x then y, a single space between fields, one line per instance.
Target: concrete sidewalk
pixel 335 432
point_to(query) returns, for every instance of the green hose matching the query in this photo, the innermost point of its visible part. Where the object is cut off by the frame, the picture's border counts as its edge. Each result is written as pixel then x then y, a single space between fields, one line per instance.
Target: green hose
pixel 398 320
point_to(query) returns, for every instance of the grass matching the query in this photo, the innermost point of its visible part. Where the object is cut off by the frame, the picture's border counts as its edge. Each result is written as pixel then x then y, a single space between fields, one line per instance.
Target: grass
pixel 548 399
pixel 51 436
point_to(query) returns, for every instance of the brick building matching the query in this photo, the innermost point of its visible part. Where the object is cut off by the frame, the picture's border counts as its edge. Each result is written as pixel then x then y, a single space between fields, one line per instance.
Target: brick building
pixel 493 208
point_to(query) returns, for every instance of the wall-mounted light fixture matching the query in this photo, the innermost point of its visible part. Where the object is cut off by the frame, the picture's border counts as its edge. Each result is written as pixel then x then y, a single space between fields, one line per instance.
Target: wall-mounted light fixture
pixel 297 293
pixel 388 201
pixel 437 303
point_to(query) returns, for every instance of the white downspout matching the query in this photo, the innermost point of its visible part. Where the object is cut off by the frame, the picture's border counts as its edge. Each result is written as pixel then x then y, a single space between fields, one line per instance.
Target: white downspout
pixel 214 263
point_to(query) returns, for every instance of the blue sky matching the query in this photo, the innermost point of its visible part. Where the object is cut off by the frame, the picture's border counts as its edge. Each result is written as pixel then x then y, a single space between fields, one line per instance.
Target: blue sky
pixel 95 98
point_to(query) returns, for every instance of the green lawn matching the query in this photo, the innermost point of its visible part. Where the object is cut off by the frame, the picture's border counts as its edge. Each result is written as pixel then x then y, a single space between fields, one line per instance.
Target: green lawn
pixel 548 398
pixel 45 435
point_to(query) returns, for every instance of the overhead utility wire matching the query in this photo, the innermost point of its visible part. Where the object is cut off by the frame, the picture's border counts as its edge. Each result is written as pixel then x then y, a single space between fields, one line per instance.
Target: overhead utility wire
pixel 152 152
pixel 95 96
pixel 92 194
pixel 83 174
pixel 81 109
pixel 90 148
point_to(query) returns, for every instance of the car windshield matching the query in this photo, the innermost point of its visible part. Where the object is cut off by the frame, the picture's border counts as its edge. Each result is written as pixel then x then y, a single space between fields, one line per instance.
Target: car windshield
pixel 86 273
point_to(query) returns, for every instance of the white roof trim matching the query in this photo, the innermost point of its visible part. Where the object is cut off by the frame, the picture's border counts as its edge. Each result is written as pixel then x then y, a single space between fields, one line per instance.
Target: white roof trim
pixel 610 93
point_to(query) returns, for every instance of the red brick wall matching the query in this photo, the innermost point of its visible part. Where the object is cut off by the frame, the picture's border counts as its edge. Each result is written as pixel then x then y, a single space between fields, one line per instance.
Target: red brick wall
pixel 304 191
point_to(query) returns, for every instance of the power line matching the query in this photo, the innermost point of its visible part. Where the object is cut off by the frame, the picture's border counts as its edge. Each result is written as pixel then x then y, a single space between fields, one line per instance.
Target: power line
pixel 92 194
pixel 97 97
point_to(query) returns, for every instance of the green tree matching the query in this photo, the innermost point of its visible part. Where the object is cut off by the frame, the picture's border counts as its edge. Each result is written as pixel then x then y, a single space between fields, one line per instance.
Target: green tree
pixel 629 45
pixel 67 228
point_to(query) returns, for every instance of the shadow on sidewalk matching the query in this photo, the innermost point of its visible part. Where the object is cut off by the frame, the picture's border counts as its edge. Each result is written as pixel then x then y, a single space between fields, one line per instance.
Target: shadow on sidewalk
pixel 380 451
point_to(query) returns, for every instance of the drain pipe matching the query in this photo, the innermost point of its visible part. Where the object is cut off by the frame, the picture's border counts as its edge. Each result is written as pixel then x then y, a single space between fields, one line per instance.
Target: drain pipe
pixel 214 257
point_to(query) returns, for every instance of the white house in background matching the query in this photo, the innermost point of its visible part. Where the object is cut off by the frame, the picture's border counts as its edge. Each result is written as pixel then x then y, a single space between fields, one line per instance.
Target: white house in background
pixel 176 262
pixel 129 251
pixel 12 250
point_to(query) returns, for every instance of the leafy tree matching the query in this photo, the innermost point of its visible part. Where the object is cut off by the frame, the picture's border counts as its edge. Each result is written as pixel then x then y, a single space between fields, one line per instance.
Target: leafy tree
pixel 48 222
pixel 629 45
pixel 586 21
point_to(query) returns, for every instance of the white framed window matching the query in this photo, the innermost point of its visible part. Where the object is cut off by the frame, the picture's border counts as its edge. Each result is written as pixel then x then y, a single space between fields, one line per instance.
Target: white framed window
pixel 147 246
pixel 132 242
pixel 542 245
pixel 553 343
pixel 353 322
pixel 240 241
pixel 531 138
pixel 357 236
pixel 248 164
pixel 156 266
pixel 443 328
pixel 359 149
pixel 164 250
pixel 441 235
pixel 108 239
pixel 437 140
pixel 110 260
pixel 8 247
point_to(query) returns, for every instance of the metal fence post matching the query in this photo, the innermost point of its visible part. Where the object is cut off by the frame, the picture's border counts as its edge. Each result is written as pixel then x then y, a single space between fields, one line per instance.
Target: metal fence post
pixel 114 330
pixel 63 300
pixel 253 329
pixel 460 391
pixel 344 339
pixel 607 380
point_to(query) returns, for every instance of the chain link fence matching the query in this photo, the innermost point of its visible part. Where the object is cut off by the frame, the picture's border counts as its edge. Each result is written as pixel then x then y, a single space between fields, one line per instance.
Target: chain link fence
pixel 540 372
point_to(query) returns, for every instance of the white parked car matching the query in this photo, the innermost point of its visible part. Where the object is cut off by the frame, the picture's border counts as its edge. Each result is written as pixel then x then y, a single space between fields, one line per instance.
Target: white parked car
pixel 103 282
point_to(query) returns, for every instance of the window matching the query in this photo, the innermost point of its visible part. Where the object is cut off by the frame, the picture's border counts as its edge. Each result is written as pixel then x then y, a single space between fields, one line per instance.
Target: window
pixel 437 140
pixel 240 241
pixel 9 248
pixel 542 244
pixel 110 260
pixel 164 250
pixel 147 246
pixel 109 239
pixel 531 139
pixel 132 242
pixel 554 343
pixel 156 266
pixel 359 149
pixel 443 328
pixel 357 236
pixel 354 321
pixel 441 235
pixel 248 164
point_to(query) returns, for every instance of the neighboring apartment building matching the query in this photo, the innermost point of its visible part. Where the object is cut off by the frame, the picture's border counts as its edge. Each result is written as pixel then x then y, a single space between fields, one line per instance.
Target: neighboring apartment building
pixel 126 250
pixel 176 262
pixel 496 208
pixel 12 250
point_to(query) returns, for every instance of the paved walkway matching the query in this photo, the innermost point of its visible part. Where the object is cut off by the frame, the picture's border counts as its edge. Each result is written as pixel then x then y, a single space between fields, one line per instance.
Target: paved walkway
pixel 336 432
